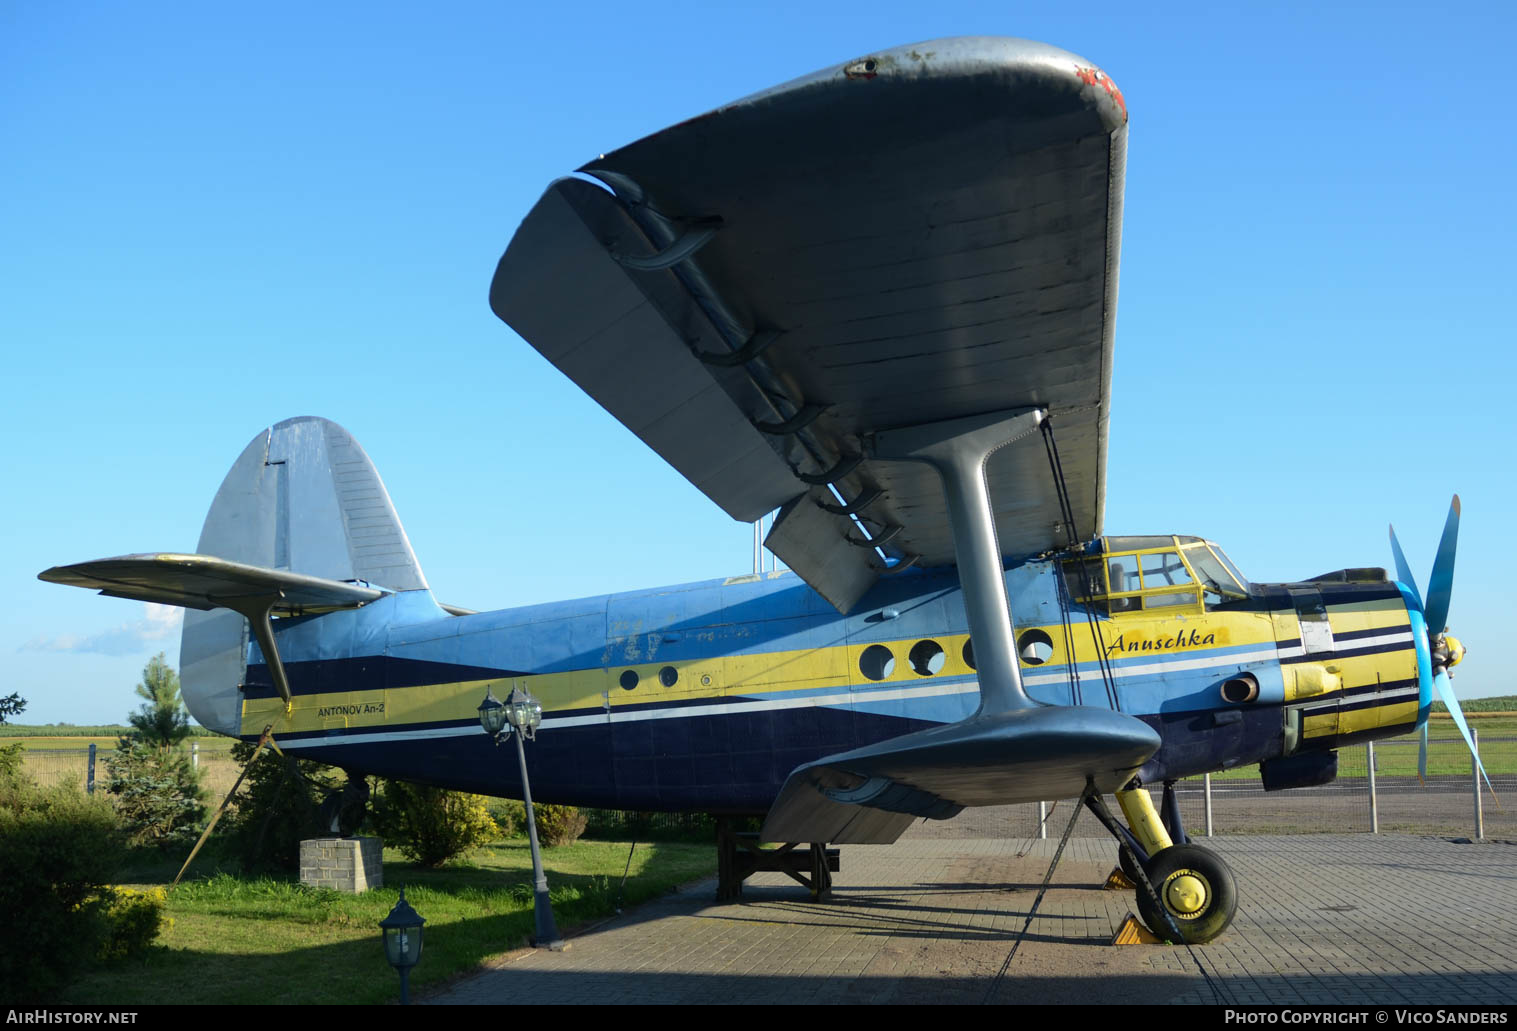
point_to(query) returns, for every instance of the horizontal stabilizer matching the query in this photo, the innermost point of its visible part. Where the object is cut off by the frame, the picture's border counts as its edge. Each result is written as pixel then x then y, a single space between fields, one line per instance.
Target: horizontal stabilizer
pixel 870 795
pixel 207 582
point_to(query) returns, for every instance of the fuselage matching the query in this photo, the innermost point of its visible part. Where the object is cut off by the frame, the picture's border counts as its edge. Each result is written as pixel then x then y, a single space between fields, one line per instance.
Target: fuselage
pixel 705 696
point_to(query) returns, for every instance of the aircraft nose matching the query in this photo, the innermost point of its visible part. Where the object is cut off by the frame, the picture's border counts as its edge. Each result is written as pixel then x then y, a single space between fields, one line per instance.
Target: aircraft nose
pixel 1449 649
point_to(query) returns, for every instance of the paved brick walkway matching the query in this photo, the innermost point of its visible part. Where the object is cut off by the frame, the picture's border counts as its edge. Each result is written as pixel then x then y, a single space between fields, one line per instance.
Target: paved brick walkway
pixel 1323 918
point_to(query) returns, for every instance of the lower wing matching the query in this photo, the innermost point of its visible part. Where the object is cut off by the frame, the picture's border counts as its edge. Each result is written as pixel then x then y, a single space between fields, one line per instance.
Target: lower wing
pixel 871 795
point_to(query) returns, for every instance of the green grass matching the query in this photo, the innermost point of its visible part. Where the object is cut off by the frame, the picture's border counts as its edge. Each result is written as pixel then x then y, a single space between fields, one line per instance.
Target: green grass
pixel 263 940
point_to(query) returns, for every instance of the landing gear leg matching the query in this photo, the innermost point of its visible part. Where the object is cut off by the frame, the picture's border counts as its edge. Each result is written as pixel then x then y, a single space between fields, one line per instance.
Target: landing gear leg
pixel 1170 807
pixel 1186 893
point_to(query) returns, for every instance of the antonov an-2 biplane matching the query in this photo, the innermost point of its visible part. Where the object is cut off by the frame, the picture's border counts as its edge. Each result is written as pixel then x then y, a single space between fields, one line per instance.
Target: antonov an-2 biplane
pixel 879 299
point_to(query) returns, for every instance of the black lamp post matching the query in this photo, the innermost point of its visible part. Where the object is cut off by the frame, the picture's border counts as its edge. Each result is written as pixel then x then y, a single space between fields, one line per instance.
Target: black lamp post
pixel 524 714
pixel 401 932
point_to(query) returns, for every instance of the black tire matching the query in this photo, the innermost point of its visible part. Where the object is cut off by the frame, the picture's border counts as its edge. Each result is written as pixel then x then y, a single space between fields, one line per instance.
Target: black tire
pixel 1125 861
pixel 1189 871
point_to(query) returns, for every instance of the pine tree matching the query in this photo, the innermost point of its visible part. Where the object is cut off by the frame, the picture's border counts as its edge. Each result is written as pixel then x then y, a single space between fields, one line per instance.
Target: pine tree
pixel 162 722
pixel 156 790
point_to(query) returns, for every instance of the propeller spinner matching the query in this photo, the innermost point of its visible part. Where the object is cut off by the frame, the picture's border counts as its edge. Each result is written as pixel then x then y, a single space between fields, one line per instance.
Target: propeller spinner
pixel 1446 651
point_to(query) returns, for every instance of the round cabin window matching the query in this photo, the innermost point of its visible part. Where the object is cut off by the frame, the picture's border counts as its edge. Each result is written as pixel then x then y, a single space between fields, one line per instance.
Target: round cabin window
pixel 1035 647
pixel 876 662
pixel 927 658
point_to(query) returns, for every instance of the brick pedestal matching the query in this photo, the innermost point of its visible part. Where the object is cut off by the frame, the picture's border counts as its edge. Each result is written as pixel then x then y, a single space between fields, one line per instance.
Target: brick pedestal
pixel 346 864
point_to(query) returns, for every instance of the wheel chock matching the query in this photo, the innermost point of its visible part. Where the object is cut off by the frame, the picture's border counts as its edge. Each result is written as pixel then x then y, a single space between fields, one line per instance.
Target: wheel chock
pixel 1132 932
pixel 1118 881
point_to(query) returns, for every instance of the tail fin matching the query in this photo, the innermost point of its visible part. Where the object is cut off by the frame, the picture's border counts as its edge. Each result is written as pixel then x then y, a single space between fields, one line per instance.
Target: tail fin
pixel 301 497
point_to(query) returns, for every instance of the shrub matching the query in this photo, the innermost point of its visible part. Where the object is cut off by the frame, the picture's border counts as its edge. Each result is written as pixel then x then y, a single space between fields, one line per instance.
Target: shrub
pixel 133 919
pixel 558 824
pixel 510 817
pixel 430 825
pixel 59 850
pixel 276 809
pixel 157 792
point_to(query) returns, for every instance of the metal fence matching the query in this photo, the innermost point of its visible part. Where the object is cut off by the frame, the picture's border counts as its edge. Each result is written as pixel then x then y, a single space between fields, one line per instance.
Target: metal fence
pixel 1393 800
pixel 1371 794
pixel 50 766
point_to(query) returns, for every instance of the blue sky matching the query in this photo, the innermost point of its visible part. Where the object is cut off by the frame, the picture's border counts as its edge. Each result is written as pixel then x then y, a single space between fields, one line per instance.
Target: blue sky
pixel 217 217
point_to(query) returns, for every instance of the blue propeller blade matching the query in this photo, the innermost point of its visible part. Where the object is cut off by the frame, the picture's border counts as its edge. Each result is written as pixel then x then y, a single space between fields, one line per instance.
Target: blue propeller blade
pixel 1441 584
pixel 1436 612
pixel 1404 571
pixel 1446 694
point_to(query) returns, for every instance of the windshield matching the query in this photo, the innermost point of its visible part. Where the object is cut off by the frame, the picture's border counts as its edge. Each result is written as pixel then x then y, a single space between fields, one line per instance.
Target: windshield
pixel 1212 566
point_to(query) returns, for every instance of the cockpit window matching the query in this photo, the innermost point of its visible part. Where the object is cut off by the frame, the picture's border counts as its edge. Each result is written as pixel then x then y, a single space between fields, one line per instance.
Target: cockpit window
pixel 1122 574
pixel 1084 580
pixel 1221 584
pixel 1228 564
pixel 1138 573
pixel 1163 569
pixel 1115 545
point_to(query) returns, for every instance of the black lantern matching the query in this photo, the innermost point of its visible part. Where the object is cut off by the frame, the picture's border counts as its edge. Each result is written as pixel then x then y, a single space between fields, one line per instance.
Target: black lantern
pixel 492 716
pixel 401 932
pixel 523 712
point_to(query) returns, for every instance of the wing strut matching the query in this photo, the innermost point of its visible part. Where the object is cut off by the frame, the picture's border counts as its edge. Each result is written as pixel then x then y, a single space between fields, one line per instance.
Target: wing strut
pixel 958 450
pixel 256 611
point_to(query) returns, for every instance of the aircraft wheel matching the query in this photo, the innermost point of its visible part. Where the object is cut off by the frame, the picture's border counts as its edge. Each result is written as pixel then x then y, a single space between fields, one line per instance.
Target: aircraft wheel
pixel 1196 886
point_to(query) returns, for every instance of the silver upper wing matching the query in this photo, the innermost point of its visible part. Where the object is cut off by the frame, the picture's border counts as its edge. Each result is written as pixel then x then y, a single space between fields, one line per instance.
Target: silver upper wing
pixel 919 234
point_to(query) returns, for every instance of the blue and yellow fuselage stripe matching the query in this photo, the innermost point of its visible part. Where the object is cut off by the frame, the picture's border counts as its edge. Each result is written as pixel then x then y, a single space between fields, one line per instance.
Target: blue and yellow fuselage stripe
pixel 709 695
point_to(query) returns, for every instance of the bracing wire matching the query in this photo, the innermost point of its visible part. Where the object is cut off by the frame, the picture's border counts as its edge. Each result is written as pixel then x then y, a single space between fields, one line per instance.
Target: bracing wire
pixel 1032 910
pixel 1066 512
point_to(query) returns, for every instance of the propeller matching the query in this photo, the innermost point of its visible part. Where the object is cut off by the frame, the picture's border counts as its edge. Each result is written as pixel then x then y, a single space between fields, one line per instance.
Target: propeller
pixel 1446 651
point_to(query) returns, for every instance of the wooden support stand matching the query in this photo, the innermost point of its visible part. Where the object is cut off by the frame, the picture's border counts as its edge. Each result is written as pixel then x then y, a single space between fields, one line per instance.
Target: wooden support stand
pixel 738 855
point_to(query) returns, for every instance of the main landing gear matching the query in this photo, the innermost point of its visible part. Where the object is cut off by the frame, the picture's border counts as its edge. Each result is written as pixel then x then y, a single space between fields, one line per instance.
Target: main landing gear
pixel 1185 893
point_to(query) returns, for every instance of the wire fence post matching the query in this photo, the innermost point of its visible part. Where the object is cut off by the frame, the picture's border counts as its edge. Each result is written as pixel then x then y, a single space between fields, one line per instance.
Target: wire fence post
pixel 1206 790
pixel 1475 780
pixel 194 755
pixel 89 777
pixel 1043 820
pixel 1369 764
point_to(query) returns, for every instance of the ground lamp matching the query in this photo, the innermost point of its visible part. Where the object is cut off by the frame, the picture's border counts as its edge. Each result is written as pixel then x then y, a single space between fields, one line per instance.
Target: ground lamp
pixel 523 713
pixel 401 931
